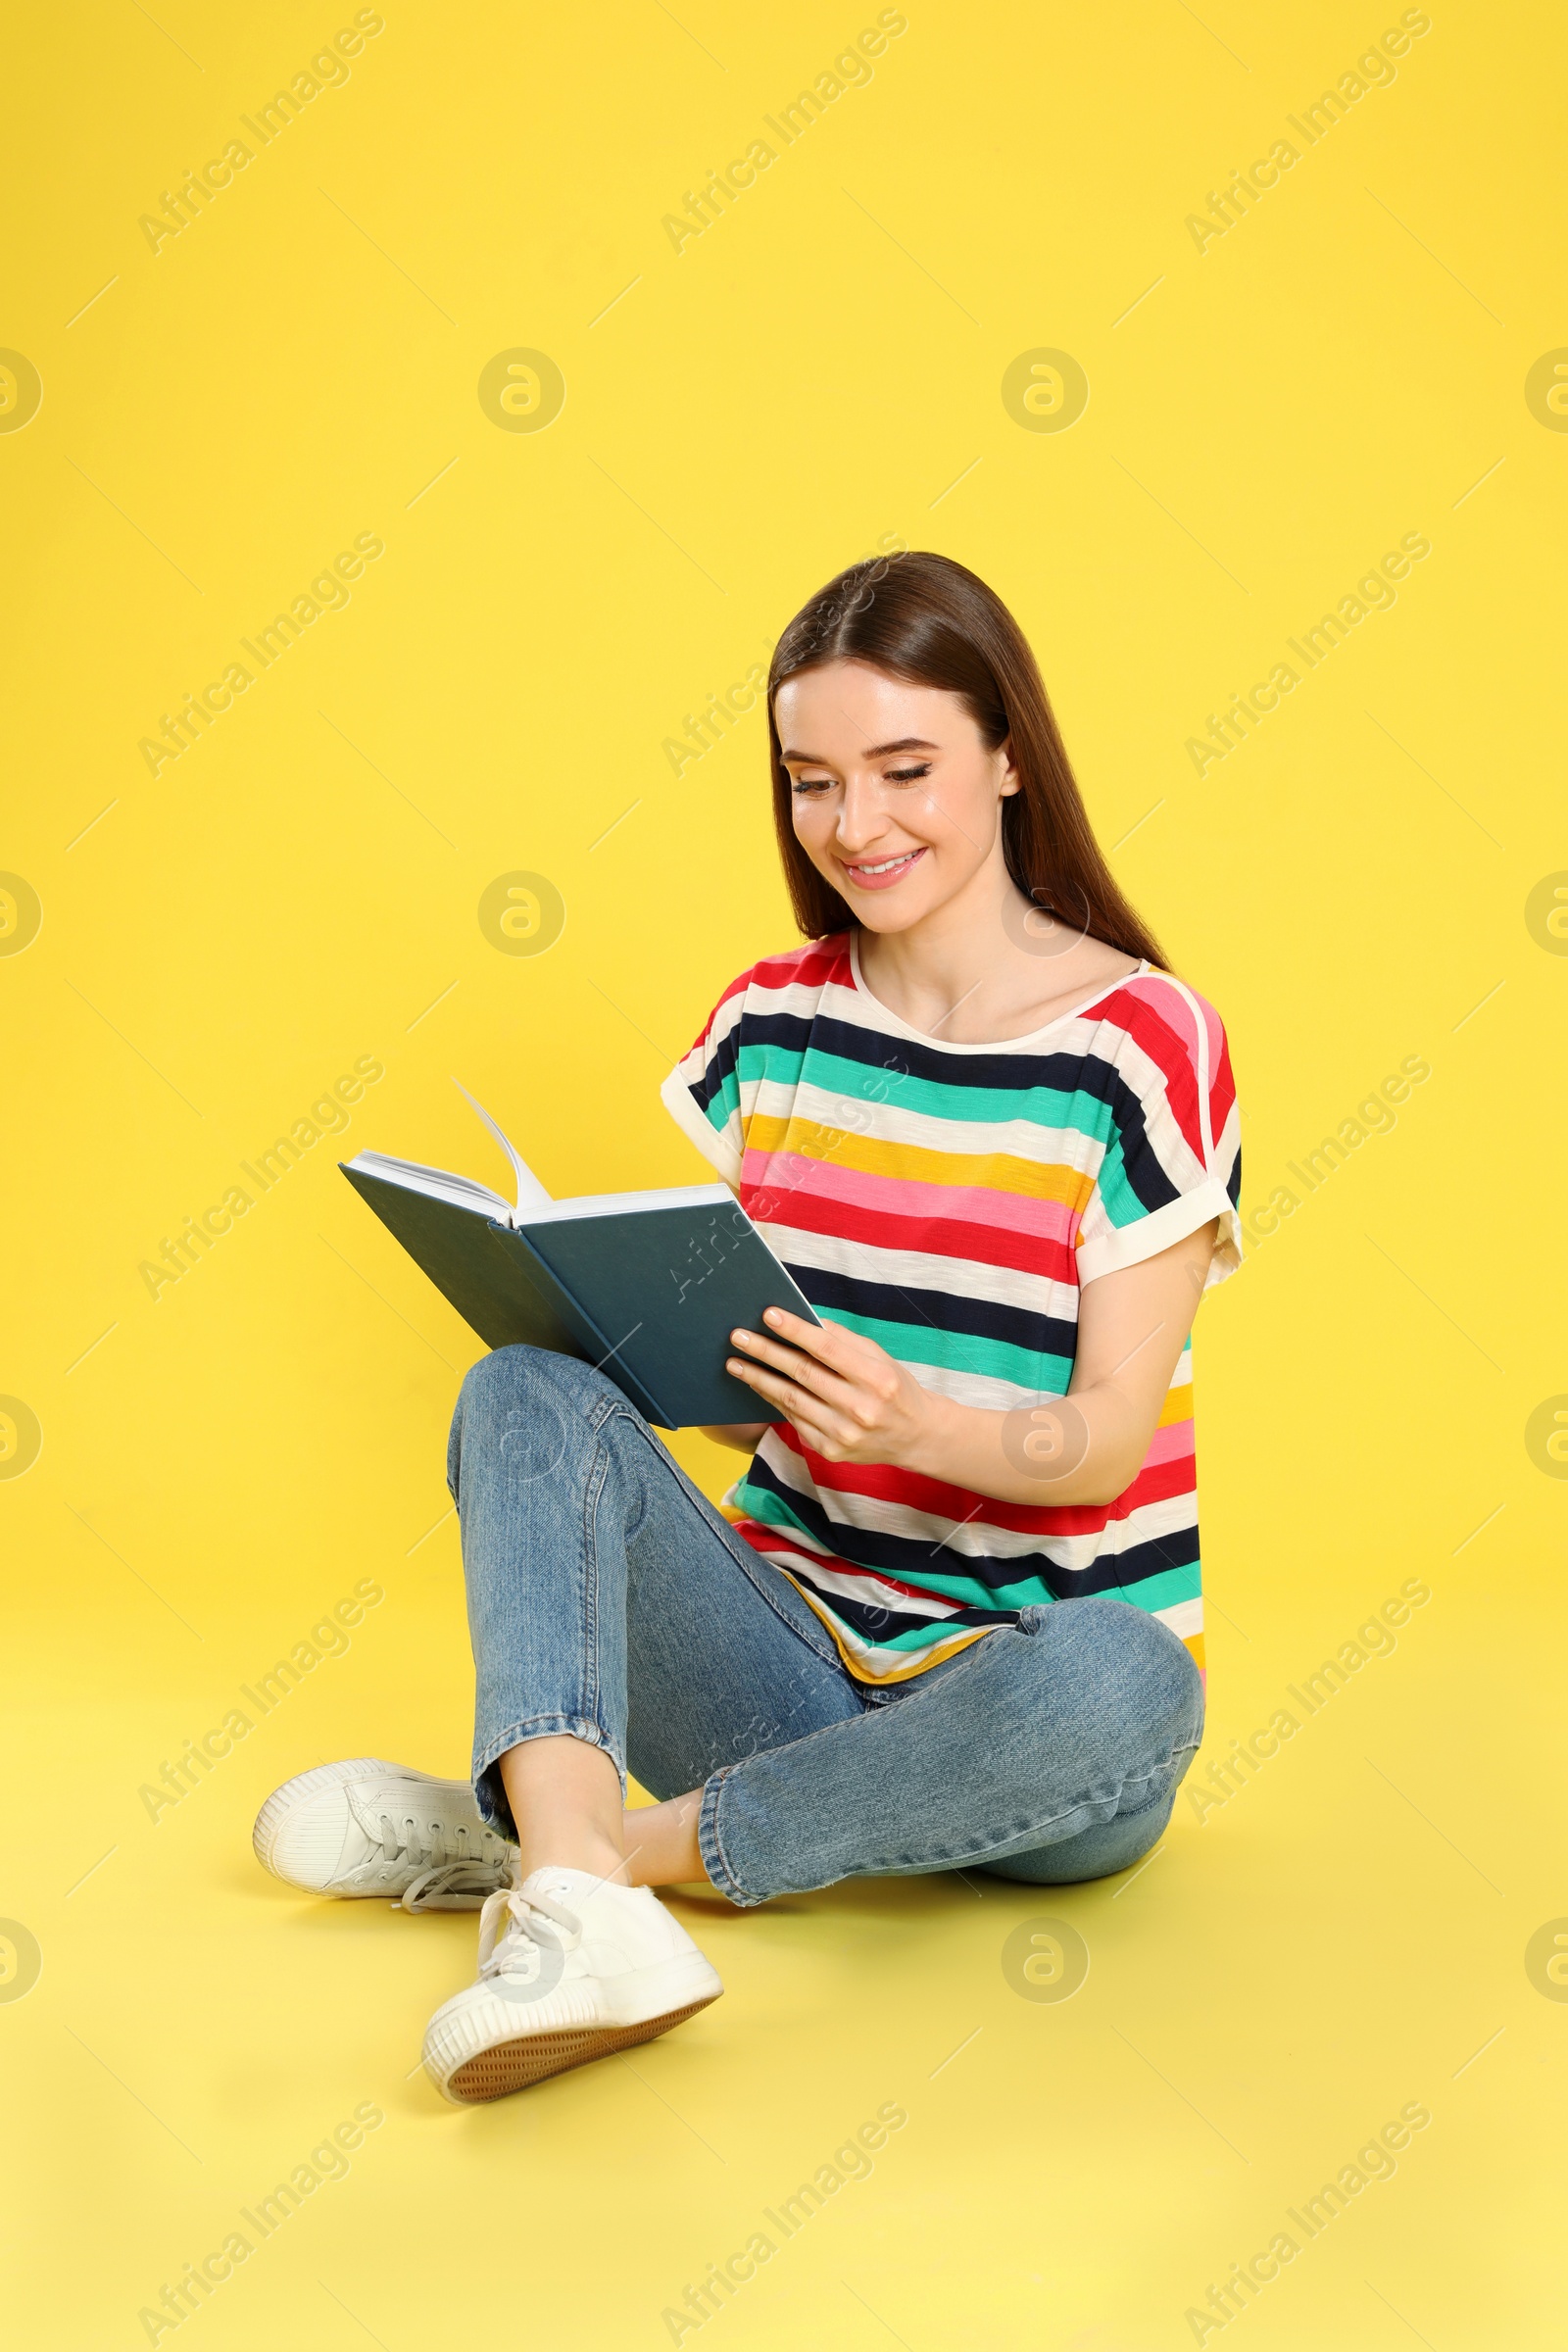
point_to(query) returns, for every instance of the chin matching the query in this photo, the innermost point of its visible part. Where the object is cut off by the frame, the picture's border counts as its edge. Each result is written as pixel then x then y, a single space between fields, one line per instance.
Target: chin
pixel 888 910
pixel 879 911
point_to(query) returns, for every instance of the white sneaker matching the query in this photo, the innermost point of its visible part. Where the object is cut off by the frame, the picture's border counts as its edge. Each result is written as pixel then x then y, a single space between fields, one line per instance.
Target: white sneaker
pixel 366 1827
pixel 572 1967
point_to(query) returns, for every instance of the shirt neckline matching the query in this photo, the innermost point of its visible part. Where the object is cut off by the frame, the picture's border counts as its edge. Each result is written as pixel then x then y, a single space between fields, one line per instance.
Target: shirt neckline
pixel 997 1044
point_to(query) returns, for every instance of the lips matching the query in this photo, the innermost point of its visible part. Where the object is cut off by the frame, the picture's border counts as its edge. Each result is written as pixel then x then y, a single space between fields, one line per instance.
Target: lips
pixel 883 873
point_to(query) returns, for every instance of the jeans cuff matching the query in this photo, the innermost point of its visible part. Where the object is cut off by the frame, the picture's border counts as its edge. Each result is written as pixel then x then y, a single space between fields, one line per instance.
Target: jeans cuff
pixel 490 1794
pixel 710 1845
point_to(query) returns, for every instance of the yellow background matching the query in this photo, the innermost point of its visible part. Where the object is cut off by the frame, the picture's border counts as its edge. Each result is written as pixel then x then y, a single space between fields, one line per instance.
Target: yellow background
pixel 300 888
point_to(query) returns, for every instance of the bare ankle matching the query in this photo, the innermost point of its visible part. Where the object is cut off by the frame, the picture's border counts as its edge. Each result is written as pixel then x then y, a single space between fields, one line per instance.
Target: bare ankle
pixel 660 1842
pixel 565 1795
pixel 565 1849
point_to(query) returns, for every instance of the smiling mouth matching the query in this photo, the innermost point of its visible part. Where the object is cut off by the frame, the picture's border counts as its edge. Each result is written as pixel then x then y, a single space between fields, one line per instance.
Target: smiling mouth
pixel 884 872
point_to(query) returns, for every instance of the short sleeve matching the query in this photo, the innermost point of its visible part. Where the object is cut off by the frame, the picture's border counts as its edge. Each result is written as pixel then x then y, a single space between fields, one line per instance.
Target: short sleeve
pixel 703 1092
pixel 1172 1156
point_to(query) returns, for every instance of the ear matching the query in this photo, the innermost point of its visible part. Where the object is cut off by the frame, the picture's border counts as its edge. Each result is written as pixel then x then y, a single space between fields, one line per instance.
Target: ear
pixel 1012 781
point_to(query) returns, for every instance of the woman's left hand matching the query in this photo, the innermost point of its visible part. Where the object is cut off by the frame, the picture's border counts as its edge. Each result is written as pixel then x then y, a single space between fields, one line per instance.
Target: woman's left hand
pixel 844 1397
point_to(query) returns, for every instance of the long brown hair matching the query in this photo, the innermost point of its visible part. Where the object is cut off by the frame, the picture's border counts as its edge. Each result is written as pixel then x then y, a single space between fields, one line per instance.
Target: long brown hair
pixel 925 619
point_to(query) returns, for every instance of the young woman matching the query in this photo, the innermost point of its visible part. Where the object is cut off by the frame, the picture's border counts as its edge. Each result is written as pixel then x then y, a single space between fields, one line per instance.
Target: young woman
pixel 955 1618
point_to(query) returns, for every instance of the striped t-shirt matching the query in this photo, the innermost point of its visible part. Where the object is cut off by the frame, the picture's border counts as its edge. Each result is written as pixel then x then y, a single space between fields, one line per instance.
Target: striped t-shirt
pixel 949 1202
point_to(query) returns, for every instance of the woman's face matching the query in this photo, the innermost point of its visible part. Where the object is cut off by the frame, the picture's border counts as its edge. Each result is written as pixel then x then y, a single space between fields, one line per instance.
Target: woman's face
pixel 896 800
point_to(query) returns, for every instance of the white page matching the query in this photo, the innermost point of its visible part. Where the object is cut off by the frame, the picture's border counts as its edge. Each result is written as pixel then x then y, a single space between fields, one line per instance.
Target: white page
pixel 438 1184
pixel 534 1204
pixel 532 1197
pixel 618 1204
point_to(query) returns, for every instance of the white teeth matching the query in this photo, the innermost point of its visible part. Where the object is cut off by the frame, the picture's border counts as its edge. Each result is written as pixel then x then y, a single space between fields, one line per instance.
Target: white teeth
pixel 887 865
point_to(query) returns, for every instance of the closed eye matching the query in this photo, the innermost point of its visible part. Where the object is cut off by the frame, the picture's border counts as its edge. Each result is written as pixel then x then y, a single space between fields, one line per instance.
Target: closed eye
pixel 890 776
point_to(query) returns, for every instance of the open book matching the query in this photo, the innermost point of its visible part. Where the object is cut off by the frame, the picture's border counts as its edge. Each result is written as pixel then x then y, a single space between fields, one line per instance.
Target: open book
pixel 647 1286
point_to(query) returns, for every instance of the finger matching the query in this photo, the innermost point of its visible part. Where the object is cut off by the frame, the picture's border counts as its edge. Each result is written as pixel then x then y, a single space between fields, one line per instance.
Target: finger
pixel 800 1405
pixel 856 1401
pixel 818 1441
pixel 775 1386
pixel 829 1342
pixel 808 1370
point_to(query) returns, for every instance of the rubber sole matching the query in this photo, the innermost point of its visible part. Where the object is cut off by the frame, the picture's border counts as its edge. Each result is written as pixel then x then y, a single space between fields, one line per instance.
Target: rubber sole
pixel 270 1820
pixel 510 2066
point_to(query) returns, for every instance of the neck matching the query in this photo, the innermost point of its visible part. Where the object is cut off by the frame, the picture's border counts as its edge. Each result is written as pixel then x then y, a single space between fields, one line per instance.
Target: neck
pixel 950 953
pixel 962 975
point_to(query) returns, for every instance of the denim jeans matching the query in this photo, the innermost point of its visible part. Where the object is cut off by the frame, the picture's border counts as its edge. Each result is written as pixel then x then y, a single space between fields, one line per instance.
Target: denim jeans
pixel 610 1600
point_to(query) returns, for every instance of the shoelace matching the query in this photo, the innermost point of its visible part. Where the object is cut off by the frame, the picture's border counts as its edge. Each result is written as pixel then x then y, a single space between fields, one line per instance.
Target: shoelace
pixel 454 1875
pixel 510 1918
pixel 454 1885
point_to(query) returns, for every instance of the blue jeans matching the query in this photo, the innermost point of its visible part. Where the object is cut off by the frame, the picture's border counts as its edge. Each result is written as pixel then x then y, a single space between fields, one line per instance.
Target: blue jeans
pixel 610 1600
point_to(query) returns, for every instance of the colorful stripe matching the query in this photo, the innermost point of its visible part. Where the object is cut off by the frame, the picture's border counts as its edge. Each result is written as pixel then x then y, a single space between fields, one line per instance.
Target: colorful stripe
pixel 949 1202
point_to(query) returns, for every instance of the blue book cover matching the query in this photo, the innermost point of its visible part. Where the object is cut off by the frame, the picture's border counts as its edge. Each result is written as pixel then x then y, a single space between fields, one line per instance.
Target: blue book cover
pixel 647 1286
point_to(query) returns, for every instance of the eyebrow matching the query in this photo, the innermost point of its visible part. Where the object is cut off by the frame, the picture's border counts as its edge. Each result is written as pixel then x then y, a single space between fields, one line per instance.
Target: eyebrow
pixel 878 751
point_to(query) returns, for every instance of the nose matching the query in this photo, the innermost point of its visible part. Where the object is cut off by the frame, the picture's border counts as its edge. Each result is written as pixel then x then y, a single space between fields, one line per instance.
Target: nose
pixel 863 820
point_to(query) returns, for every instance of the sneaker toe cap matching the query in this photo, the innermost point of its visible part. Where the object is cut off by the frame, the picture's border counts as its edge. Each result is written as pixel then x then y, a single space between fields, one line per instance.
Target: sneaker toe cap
pixel 307 1845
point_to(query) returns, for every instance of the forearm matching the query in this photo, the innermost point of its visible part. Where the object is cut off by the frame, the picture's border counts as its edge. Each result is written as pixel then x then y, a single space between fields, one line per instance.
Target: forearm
pixel 850 1401
pixel 1085 1448
pixel 744 1435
